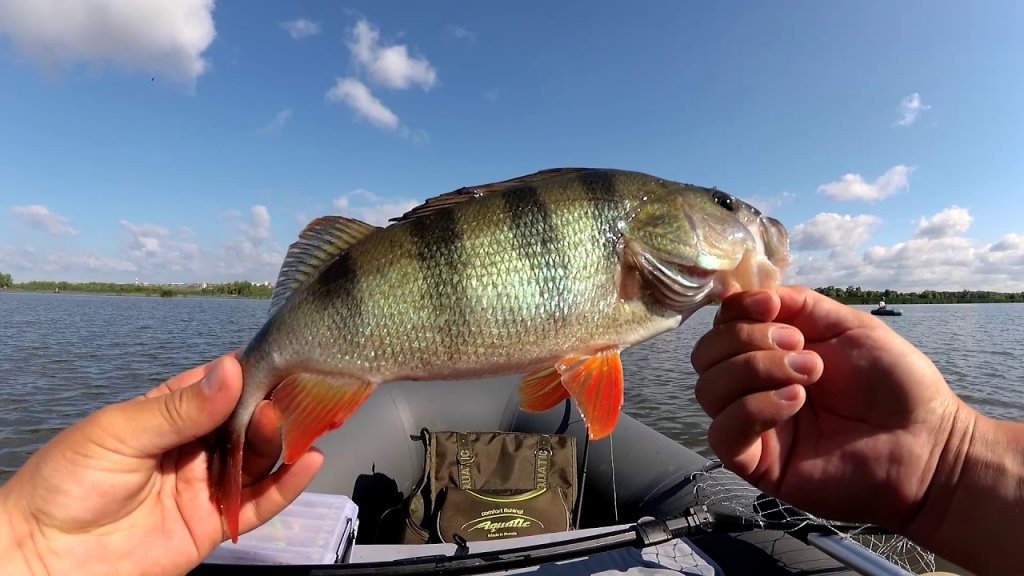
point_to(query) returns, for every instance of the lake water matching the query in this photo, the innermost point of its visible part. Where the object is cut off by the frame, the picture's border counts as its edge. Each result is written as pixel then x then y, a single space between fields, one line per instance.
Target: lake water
pixel 63 356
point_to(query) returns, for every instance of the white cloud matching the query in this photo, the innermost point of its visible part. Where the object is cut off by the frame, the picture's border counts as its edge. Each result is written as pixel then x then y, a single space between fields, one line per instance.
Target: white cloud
pixel 910 107
pixel 280 120
pixel 358 97
pixel 39 217
pixel 28 263
pixel 1009 243
pixel 462 33
pixel 301 28
pixel 260 227
pixel 829 231
pixel 157 37
pixel 927 263
pixel 253 255
pixel 950 222
pixel 389 66
pixel 364 205
pixel 152 248
pixel 853 186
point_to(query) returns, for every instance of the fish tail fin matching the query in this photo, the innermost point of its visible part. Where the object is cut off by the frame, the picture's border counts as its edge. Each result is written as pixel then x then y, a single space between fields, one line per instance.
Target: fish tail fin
pixel 226 479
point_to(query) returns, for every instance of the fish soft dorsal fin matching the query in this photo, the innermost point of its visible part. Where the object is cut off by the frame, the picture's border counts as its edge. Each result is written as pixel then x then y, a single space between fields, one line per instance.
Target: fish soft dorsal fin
pixel 320 242
pixel 461 195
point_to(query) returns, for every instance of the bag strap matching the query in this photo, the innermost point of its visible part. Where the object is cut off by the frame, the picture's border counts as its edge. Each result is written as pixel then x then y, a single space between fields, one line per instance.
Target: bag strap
pixel 464 458
pixel 543 462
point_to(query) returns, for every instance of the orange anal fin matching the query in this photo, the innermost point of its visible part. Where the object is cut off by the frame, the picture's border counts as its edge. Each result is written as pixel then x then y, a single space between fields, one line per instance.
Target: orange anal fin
pixel 595 382
pixel 311 405
pixel 541 390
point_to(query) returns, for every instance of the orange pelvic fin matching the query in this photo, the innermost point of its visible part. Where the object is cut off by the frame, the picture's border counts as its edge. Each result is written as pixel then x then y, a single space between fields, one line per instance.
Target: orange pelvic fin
pixel 311 405
pixel 541 390
pixel 594 381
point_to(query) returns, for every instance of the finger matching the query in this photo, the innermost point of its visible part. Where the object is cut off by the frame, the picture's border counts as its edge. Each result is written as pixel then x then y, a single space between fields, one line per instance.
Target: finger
pixel 753 305
pixel 736 434
pixel 262 444
pixel 152 426
pixel 754 372
pixel 186 378
pixel 270 496
pixel 818 316
pixel 736 338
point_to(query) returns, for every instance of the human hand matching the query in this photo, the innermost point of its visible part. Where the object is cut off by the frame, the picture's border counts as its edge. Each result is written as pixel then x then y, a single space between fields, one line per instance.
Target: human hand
pixel 126 490
pixel 834 413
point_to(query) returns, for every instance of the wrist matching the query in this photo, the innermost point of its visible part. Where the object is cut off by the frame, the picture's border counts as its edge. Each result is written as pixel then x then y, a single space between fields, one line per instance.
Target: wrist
pixel 970 514
pixel 18 552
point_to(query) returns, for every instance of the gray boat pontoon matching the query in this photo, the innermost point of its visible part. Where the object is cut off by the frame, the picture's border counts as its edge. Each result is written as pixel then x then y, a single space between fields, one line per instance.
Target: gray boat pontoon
pixel 716 523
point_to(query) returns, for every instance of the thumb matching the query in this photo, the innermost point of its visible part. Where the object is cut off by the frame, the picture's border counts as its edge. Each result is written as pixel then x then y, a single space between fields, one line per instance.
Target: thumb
pixel 151 426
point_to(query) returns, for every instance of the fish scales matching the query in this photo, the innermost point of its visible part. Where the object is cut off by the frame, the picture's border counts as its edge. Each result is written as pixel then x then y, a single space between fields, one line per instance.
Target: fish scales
pixel 476 284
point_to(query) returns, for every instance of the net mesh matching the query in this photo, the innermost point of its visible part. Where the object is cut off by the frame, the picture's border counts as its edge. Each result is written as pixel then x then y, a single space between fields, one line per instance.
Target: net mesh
pixel 719 489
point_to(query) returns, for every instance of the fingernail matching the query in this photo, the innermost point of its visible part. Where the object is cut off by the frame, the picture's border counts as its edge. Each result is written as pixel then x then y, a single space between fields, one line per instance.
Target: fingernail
pixel 790 393
pixel 786 338
pixel 802 362
pixel 211 382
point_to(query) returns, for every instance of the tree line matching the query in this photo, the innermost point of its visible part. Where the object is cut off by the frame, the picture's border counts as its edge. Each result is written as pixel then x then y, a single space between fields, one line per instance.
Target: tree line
pixel 857 295
pixel 239 289
pixel 246 289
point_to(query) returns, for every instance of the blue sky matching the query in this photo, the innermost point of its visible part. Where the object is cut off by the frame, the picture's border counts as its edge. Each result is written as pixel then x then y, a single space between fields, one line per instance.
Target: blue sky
pixel 187 141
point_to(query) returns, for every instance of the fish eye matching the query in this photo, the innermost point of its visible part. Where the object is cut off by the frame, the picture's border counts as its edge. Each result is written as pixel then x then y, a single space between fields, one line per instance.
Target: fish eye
pixel 724 200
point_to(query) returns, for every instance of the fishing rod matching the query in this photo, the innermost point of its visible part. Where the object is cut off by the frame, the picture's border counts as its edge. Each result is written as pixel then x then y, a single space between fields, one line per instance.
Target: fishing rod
pixel 644 533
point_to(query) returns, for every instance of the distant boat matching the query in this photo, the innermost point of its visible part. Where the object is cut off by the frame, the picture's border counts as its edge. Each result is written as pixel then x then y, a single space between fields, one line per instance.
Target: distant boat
pixel 887 312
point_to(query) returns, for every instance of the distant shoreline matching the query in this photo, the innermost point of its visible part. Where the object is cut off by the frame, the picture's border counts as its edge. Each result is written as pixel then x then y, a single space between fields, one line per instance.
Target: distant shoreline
pixel 133 294
pixel 855 295
pixel 236 290
pixel 852 295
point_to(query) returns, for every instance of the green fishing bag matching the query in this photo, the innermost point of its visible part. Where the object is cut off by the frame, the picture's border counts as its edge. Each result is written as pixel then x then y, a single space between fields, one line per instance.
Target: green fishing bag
pixel 492 485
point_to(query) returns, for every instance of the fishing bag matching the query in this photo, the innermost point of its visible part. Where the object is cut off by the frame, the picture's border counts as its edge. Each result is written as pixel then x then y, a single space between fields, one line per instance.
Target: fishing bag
pixel 490 486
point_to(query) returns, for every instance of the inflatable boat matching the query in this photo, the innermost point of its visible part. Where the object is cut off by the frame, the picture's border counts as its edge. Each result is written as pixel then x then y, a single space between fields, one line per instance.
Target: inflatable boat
pixel 887 312
pixel 645 505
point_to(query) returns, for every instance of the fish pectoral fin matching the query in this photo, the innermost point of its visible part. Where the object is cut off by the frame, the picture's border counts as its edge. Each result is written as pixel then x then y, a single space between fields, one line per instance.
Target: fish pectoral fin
pixel 319 243
pixel 541 390
pixel 595 382
pixel 669 284
pixel 311 405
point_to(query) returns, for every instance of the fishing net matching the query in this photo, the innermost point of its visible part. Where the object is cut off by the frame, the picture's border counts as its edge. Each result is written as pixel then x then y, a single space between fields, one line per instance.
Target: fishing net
pixel 719 489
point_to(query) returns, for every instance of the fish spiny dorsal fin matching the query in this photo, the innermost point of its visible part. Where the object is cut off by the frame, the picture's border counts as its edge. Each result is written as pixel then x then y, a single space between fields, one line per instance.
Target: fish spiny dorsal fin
pixel 461 195
pixel 320 242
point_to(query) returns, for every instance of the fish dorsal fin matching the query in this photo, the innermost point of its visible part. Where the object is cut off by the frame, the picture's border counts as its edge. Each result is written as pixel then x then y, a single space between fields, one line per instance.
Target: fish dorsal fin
pixel 461 195
pixel 320 242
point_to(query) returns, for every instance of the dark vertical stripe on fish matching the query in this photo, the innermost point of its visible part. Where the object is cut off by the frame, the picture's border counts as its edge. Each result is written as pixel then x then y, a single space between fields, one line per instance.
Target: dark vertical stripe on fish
pixel 536 242
pixel 438 243
pixel 339 285
pixel 603 193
